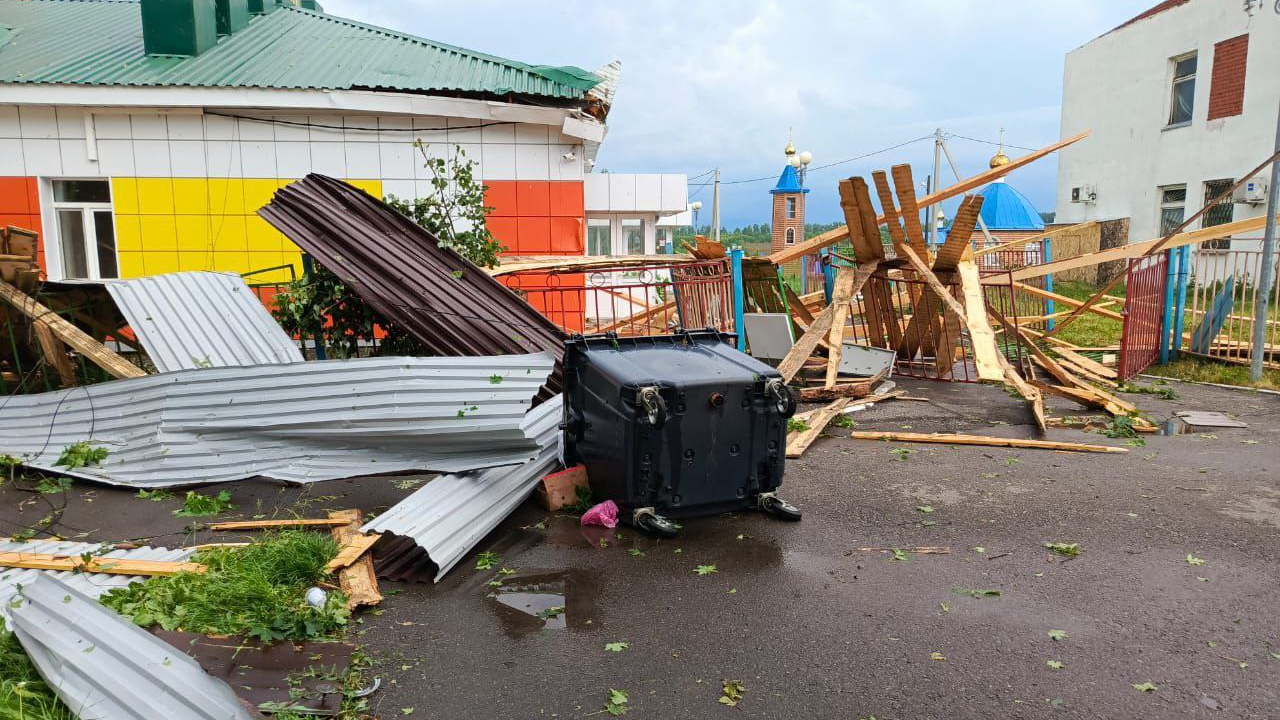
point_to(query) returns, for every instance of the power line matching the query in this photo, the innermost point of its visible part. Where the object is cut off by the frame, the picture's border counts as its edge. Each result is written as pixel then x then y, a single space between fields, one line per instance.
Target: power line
pixel 828 165
pixel 988 142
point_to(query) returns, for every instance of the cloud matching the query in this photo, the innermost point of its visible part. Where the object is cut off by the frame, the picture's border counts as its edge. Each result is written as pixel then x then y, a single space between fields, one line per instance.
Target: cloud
pixel 714 84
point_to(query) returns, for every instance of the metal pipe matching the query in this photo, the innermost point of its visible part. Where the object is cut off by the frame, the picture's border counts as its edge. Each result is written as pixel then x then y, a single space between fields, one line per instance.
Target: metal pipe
pixel 1267 275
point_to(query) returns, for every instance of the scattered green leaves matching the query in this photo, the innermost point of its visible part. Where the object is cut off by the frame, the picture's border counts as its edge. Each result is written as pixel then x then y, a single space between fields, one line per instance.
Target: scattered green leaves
pixel 582 501
pixel 731 692
pixel 53 485
pixel 795 425
pixel 979 549
pixel 495 379
pixel 1064 549
pixel 976 592
pixel 636 552
pixel 1058 635
pixel 902 453
pixel 1120 427
pixel 155 495
pixel 616 647
pixel 487 560
pixel 197 505
pixel 1145 687
pixel 705 569
pixel 1054 664
pixel 899 555
pixel 551 613
pixel 81 454
pixel 924 508
pixel 937 656
pixel 1194 561
pixel 615 702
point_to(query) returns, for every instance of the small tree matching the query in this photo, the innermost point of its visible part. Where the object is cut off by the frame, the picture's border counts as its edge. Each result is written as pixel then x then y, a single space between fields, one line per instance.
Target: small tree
pixel 320 305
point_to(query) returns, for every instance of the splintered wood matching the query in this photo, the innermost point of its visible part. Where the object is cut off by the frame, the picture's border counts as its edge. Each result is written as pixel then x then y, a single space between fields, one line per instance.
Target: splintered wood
pixel 355 576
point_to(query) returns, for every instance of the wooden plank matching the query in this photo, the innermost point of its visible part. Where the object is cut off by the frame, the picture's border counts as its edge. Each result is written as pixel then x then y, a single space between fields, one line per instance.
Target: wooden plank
pixel 805 346
pixel 55 354
pixel 841 294
pixel 355 546
pixel 981 337
pixel 905 188
pixel 867 216
pixel 73 336
pixel 105 565
pixel 865 247
pixel 890 211
pixel 798 307
pixel 843 390
pixel 985 441
pixel 288 523
pixel 358 580
pixel 884 301
pixel 831 237
pixel 1070 302
pixel 638 317
pixel 1089 364
pixel 797 444
pixel 960 235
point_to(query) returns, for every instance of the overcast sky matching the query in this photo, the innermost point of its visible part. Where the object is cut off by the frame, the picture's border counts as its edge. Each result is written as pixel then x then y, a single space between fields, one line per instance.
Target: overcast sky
pixel 714 83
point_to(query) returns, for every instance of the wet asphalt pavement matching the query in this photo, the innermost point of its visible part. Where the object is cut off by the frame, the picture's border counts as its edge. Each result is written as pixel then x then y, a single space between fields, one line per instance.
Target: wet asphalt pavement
pixel 814 627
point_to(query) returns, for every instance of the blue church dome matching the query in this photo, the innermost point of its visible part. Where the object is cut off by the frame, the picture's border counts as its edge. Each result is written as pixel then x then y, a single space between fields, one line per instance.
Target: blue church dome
pixel 789 182
pixel 1004 208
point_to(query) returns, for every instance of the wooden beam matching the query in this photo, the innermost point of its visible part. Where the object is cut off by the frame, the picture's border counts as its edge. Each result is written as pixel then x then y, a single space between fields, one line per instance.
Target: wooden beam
pixel 890 211
pixel 55 354
pixel 905 187
pixel 865 246
pixel 351 550
pixel 840 297
pixel 797 443
pixel 844 390
pixel 1070 302
pixel 831 237
pixel 268 524
pixel 357 580
pixel 983 440
pixel 981 336
pixel 805 346
pixel 73 336
pixel 961 233
pixel 105 565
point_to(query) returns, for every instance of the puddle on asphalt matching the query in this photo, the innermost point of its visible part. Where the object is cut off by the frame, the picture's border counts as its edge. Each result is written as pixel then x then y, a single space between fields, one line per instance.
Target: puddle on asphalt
pixel 531 601
pixel 1175 426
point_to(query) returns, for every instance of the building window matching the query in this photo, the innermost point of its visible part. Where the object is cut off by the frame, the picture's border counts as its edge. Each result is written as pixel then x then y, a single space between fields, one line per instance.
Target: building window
pixel 791 208
pixel 1173 205
pixel 1220 214
pixel 599 237
pixel 662 236
pixel 1183 96
pixel 86 230
pixel 790 236
pixel 633 236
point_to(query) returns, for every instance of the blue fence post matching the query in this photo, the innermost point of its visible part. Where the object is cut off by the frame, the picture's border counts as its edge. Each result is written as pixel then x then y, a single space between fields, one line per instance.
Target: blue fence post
pixel 1166 323
pixel 739 296
pixel 1184 276
pixel 1046 255
pixel 828 274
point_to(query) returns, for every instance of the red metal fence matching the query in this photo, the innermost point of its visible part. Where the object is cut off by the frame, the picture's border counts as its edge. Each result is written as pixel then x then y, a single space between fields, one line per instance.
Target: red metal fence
pixel 631 300
pixel 1145 283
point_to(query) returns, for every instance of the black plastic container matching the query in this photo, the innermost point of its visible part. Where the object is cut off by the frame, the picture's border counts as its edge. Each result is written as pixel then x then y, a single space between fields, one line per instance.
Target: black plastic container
pixel 676 425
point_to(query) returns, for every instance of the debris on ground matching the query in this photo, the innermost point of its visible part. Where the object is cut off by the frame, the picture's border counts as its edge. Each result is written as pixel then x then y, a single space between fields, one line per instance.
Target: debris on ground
pixel 605 515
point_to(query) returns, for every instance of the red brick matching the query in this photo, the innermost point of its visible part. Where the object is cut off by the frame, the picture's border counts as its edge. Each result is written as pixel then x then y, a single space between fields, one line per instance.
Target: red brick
pixel 1226 90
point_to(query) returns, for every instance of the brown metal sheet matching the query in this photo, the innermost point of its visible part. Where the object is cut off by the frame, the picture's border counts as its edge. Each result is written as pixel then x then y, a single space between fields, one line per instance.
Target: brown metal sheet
pixel 451 306
pixel 307 675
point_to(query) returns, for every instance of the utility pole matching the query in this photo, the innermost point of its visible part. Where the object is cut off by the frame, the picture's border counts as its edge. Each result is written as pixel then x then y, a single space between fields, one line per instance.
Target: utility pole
pixel 932 215
pixel 715 208
pixel 1267 275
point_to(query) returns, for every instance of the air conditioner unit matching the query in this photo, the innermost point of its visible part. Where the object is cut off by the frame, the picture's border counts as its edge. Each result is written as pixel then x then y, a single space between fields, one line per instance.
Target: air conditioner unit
pixel 1253 192
pixel 1084 194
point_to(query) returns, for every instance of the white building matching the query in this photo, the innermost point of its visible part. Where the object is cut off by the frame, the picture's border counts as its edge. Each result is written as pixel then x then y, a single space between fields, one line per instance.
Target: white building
pixel 1181 100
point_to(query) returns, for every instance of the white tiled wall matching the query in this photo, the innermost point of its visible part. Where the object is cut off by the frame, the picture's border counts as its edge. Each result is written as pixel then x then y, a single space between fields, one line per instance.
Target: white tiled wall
pixel 624 192
pixel 47 141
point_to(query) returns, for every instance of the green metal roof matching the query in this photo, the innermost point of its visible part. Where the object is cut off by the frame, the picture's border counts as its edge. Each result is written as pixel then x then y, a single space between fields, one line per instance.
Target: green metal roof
pixel 99 42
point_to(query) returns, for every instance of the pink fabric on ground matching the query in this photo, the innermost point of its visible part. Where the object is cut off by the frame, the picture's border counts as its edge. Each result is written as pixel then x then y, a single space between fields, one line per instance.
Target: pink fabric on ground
pixel 604 514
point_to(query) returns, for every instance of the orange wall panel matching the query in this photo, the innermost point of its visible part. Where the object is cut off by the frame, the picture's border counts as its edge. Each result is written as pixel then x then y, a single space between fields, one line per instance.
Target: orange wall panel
pixel 501 196
pixel 20 207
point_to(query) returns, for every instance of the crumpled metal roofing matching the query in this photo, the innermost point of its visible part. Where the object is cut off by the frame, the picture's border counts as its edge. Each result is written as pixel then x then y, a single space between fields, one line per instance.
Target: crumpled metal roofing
pixel 451 306
pixel 103 667
pixel 302 422
pixel 96 42
pixel 192 320
pixel 448 516
pixel 92 585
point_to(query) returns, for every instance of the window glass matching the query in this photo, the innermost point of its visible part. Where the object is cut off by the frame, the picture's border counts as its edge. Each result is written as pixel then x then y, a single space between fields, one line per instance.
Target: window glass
pixel 633 236
pixel 81 191
pixel 1220 214
pixel 599 239
pixel 71 237
pixel 661 236
pixel 1172 207
pixel 1184 90
pixel 105 235
pixel 791 236
pixel 791 208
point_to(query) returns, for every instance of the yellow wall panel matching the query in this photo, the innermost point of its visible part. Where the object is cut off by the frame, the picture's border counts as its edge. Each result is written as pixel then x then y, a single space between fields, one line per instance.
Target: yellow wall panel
pixel 124 195
pixel 228 233
pixel 159 232
pixel 263 237
pixel 155 196
pixel 193 233
pixel 373 187
pixel 191 196
pixel 131 264
pixel 128 234
pixel 258 193
pixel 226 197
pixel 159 262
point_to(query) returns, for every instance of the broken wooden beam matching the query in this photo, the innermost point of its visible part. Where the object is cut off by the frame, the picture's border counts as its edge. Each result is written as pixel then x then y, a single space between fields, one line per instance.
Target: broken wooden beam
pixel 286 523
pixel 951 439
pixel 104 565
pixel 73 336
pixel 800 441
pixel 808 342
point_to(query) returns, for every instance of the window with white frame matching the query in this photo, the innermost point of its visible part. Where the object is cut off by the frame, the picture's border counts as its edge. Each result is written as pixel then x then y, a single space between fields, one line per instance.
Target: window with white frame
pixel 1183 93
pixel 791 208
pixel 85 228
pixel 632 236
pixel 790 236
pixel 1173 207
pixel 599 236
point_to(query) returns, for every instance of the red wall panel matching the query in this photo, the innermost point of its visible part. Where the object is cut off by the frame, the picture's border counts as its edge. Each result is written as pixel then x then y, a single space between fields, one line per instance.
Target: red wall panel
pixel 20 207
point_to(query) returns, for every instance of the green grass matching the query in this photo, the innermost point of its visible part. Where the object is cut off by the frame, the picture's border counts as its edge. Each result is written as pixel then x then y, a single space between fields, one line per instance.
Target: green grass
pixel 258 590
pixel 23 694
pixel 1089 330
pixel 1201 370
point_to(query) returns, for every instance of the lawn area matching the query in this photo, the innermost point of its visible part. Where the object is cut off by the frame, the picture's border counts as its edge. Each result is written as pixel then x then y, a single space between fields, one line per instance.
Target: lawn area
pixel 1211 371
pixel 1090 330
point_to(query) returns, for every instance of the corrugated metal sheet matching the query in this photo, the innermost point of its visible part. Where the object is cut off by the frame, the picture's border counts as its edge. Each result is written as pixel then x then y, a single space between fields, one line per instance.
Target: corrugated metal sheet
pixel 100 43
pixel 299 423
pixel 448 516
pixel 451 306
pixel 192 320
pixel 92 585
pixel 103 667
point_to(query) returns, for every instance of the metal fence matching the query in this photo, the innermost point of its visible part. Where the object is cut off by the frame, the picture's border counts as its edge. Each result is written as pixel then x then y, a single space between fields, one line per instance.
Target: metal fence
pixel 631 300
pixel 1144 313
pixel 1221 297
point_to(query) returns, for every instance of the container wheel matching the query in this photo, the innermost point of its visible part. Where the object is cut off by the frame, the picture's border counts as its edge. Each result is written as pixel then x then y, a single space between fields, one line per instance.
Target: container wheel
pixel 779 508
pixel 655 524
